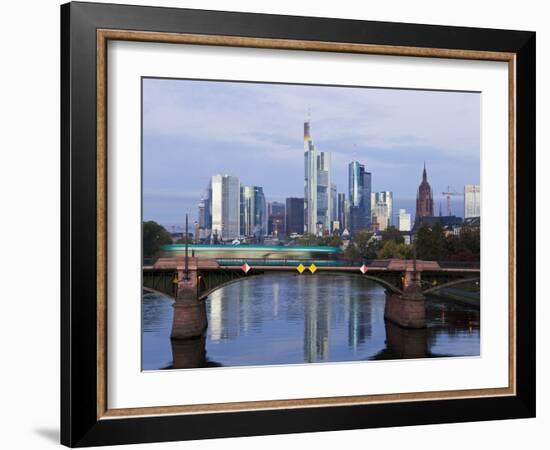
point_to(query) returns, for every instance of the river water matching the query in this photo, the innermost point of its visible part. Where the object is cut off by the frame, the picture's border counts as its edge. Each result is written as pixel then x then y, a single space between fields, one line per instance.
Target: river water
pixel 296 319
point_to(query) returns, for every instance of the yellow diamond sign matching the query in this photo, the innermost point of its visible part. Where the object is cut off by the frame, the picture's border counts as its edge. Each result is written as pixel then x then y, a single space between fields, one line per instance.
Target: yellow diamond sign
pixel 312 268
pixel 300 268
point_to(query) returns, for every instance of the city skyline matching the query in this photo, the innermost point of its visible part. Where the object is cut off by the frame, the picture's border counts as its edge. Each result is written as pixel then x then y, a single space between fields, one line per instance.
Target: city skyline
pixel 270 152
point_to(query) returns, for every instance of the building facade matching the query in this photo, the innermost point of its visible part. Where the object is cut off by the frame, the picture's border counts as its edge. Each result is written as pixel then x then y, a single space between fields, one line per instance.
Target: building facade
pixel 333 203
pixel 404 220
pixel 276 218
pixel 381 210
pixel 359 191
pixel 318 193
pixel 424 197
pixel 341 217
pixel 252 212
pixel 324 201
pixel 310 183
pixel 225 206
pixel 294 215
pixel 472 201
pixel 204 224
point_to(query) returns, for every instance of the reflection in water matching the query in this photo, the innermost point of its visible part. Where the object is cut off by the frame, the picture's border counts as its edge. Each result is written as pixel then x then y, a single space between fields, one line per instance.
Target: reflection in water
pixel 283 319
pixel 403 343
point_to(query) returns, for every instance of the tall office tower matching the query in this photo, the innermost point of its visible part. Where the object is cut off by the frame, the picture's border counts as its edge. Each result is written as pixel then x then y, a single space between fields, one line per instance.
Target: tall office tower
pixel 367 191
pixel 356 173
pixel 333 203
pixel 424 197
pixel 276 218
pixel 294 222
pixel 359 184
pixel 200 232
pixel 252 212
pixel 202 217
pixel 342 210
pixel 225 206
pixel 381 209
pixel 346 214
pixel 310 183
pixel 204 224
pixel 324 202
pixel 208 208
pixel 404 220
pixel 317 187
pixel 472 200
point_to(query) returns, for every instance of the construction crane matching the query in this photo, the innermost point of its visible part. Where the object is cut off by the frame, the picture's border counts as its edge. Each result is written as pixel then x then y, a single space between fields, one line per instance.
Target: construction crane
pixel 451 193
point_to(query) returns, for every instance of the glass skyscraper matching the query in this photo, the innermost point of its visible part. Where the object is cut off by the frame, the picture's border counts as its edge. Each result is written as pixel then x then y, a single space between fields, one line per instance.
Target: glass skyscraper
pixel 318 191
pixel 253 212
pixel 341 216
pixel 359 186
pixel 310 183
pixel 225 206
pixel 294 213
pixel 324 201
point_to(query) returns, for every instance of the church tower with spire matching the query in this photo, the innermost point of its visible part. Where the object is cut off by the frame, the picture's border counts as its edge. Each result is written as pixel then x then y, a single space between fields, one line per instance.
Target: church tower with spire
pixel 424 197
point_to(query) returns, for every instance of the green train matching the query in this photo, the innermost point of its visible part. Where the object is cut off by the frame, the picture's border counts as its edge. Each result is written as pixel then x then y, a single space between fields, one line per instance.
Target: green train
pixel 269 254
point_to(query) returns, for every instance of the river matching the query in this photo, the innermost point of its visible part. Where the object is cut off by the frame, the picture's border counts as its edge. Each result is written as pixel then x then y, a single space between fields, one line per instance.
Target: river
pixel 297 319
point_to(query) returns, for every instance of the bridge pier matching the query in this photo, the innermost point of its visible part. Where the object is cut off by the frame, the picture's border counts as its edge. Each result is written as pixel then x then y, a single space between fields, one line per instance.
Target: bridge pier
pixel 406 342
pixel 188 353
pixel 407 309
pixel 189 312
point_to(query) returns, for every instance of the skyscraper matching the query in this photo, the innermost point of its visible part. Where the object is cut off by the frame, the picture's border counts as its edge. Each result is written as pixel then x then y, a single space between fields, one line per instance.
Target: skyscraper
pixel 342 211
pixel 318 202
pixel 472 200
pixel 202 214
pixel 424 197
pixel 310 183
pixel 404 220
pixel 204 224
pixel 333 203
pixel 382 209
pixel 208 208
pixel 324 202
pixel 367 187
pixel 225 206
pixel 276 218
pixel 359 186
pixel 252 212
pixel 294 222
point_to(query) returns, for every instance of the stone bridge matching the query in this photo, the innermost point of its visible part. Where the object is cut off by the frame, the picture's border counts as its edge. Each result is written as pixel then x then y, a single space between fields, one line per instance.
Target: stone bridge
pixel 190 281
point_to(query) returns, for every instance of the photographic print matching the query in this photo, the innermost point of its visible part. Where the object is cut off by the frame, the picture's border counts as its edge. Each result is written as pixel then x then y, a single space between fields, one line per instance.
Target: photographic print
pixel 278 211
pixel 299 224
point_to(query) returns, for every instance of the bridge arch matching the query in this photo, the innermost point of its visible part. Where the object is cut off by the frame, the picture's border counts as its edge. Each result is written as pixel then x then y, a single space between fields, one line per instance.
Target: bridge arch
pixel 385 284
pixel 449 284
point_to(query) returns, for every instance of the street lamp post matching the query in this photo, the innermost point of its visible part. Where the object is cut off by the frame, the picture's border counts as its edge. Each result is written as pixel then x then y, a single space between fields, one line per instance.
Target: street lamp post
pixel 186 248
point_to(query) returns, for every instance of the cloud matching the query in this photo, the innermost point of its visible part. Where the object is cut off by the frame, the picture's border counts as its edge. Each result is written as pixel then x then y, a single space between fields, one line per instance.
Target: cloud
pixel 272 114
pixel 193 129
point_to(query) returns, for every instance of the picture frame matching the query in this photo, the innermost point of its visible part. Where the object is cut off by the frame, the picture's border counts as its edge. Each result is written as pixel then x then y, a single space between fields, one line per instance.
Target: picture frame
pixel 86 29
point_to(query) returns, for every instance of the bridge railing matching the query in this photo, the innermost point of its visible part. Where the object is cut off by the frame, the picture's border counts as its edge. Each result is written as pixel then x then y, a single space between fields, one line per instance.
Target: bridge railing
pixel 459 264
pixel 285 262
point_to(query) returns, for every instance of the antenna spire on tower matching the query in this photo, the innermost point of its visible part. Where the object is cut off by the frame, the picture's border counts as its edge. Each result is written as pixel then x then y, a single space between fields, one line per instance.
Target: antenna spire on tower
pixel 424 173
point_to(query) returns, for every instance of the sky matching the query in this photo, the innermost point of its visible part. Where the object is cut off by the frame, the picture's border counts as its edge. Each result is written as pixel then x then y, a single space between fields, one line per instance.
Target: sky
pixel 194 129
